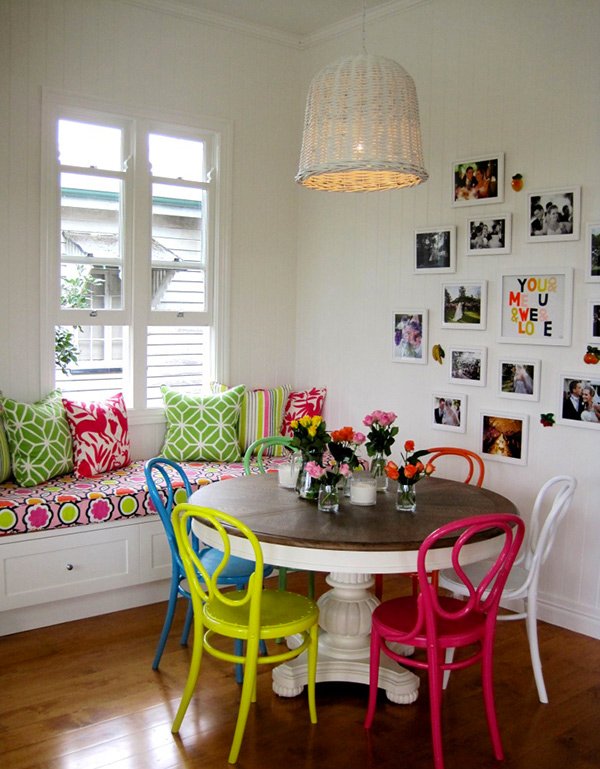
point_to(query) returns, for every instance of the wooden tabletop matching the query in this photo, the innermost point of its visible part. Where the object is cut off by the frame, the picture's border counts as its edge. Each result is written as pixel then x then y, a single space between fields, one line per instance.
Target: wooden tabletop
pixel 279 516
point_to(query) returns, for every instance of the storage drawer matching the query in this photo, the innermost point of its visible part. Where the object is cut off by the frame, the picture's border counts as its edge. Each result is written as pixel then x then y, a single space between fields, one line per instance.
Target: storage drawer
pixel 61 565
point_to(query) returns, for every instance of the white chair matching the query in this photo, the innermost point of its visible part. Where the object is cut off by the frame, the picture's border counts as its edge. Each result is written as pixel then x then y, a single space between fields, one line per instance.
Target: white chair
pixel 555 497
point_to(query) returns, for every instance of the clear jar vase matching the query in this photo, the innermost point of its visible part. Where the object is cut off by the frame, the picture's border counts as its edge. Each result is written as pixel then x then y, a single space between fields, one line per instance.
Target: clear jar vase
pixel 307 486
pixel 406 499
pixel 378 471
pixel 329 498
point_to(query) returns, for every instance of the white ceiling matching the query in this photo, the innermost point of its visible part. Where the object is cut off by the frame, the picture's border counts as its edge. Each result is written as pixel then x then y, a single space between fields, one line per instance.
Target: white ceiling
pixel 300 19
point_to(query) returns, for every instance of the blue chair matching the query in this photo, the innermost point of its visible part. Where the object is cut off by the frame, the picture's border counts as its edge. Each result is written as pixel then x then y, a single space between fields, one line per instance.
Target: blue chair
pixel 175 488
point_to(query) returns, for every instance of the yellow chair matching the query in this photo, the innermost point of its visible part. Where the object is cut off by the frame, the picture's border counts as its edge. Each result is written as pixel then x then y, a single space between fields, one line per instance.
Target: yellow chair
pixel 257 450
pixel 252 615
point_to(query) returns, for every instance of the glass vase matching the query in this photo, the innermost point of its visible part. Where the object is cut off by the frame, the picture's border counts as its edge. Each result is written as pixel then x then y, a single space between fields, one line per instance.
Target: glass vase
pixel 406 499
pixel 306 486
pixel 378 471
pixel 329 498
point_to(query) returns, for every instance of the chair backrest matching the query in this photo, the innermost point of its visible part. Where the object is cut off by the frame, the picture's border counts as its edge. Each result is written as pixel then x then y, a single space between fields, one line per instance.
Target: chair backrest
pixel 175 487
pixel 205 586
pixel 260 446
pixel 476 469
pixel 553 501
pixel 483 597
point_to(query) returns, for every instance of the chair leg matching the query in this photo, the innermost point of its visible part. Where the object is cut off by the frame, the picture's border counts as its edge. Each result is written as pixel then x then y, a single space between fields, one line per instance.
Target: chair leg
pixel 248 692
pixel 487 674
pixel 192 678
pixel 379 586
pixel 374 659
pixel 311 585
pixel 187 625
pixel 312 673
pixel 435 707
pixel 448 658
pixel 166 629
pixel 534 649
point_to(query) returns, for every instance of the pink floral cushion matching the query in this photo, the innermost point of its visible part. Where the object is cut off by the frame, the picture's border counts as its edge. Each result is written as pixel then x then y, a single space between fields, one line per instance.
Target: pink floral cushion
pixel 305 403
pixel 100 435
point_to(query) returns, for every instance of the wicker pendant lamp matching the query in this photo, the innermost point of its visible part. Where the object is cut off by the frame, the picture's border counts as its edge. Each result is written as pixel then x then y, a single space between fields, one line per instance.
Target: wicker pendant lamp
pixel 361 128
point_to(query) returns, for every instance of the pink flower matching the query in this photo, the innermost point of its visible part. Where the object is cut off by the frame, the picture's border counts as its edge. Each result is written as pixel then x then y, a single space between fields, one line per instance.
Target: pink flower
pixel 378 415
pixel 368 420
pixel 344 470
pixel 387 418
pixel 359 439
pixel 315 470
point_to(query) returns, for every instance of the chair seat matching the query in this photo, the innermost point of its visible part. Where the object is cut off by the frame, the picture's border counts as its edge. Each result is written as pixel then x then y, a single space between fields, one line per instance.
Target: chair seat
pixel 399 616
pixel 281 613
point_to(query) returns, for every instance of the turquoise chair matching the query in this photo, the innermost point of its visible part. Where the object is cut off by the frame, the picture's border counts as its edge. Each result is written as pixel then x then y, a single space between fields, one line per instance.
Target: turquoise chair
pixel 257 450
pixel 252 615
pixel 173 486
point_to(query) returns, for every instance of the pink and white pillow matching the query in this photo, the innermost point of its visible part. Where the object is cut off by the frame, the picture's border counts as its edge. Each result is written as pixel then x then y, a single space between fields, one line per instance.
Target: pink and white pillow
pixel 100 435
pixel 305 403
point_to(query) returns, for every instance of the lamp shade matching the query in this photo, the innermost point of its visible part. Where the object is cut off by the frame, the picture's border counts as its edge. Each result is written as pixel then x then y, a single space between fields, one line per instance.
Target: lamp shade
pixel 361 128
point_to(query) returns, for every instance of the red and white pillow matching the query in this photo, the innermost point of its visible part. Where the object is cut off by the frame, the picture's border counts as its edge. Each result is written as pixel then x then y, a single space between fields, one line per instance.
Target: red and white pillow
pixel 100 435
pixel 305 403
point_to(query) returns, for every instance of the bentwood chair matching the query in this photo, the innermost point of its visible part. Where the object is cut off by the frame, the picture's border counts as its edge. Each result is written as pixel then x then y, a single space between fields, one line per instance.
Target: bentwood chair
pixel 434 623
pixel 550 507
pixel 257 450
pixel 167 485
pixel 252 615
pixel 475 473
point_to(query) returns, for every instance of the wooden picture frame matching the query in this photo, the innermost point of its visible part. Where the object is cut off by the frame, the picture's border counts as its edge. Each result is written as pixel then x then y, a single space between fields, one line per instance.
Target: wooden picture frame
pixel 554 215
pixel 584 410
pixel 536 308
pixel 504 437
pixel 488 235
pixel 449 412
pixel 592 253
pixel 464 305
pixel 519 378
pixel 409 335
pixel 468 365
pixel 435 250
pixel 478 180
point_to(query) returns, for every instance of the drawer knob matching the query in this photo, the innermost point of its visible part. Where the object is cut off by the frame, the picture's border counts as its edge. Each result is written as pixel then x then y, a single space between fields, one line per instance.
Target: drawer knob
pixel 69 567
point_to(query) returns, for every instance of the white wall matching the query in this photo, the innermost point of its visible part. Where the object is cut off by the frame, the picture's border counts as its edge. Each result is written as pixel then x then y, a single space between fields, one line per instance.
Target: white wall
pixel 315 276
pixel 492 76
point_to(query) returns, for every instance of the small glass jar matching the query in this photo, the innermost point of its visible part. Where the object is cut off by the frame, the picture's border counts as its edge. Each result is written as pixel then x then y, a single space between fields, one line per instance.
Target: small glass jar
pixel 378 471
pixel 329 498
pixel 288 472
pixel 406 499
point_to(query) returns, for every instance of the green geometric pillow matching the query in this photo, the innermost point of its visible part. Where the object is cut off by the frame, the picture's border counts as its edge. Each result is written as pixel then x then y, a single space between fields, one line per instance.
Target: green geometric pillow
pixel 4 453
pixel 39 439
pixel 202 428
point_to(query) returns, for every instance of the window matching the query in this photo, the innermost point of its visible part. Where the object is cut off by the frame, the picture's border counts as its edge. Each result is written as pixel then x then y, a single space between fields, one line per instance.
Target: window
pixel 132 253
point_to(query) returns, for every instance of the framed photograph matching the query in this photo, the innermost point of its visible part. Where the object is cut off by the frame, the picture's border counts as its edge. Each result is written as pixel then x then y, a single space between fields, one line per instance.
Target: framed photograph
pixel 592 253
pixel 554 214
pixel 464 305
pixel 519 378
pixel 536 308
pixel 504 437
pixel 488 235
pixel 468 365
pixel 579 400
pixel 449 412
pixel 594 320
pixel 435 249
pixel 478 180
pixel 409 335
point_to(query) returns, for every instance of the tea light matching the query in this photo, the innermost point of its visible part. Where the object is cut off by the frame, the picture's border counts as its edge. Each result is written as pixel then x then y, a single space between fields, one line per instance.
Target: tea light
pixel 288 474
pixel 363 490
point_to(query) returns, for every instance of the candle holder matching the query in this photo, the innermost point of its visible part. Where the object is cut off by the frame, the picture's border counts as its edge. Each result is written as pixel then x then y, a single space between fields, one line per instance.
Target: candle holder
pixel 363 489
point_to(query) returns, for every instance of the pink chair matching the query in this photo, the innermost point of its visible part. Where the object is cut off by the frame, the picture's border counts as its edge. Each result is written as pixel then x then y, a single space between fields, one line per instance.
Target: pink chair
pixel 435 623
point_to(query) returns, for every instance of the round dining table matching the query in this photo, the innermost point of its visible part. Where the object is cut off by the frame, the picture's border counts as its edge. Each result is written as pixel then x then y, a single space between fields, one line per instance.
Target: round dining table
pixel 351 545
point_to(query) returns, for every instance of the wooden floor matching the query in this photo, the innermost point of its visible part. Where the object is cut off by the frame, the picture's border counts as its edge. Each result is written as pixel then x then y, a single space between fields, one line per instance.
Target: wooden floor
pixel 82 695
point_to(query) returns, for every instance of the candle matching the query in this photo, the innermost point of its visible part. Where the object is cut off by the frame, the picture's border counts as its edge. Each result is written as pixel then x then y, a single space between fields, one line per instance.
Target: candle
pixel 288 475
pixel 363 491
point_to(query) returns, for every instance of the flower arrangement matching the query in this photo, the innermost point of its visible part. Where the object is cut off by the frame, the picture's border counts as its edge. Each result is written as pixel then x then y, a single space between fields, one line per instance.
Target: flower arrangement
pixel 310 436
pixel 382 433
pixel 413 469
pixel 343 446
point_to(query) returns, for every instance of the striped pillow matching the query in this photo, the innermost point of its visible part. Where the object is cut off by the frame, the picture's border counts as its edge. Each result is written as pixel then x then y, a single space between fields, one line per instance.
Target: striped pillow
pixel 261 414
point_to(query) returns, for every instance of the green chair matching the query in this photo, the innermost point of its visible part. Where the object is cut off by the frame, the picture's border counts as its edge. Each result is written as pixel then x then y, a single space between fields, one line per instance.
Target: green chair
pixel 252 615
pixel 257 450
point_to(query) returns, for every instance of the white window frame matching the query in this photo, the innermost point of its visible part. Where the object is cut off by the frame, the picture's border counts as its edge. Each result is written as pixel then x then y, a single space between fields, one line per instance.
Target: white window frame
pixel 136 314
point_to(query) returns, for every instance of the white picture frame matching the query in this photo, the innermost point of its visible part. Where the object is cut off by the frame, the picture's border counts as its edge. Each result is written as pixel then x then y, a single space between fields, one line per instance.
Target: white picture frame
pixel 464 305
pixel 572 416
pixel 478 180
pixel 452 417
pixel 488 235
pixel 435 249
pixel 503 437
pixel 594 320
pixel 519 378
pixel 554 215
pixel 468 365
pixel 592 253
pixel 409 336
